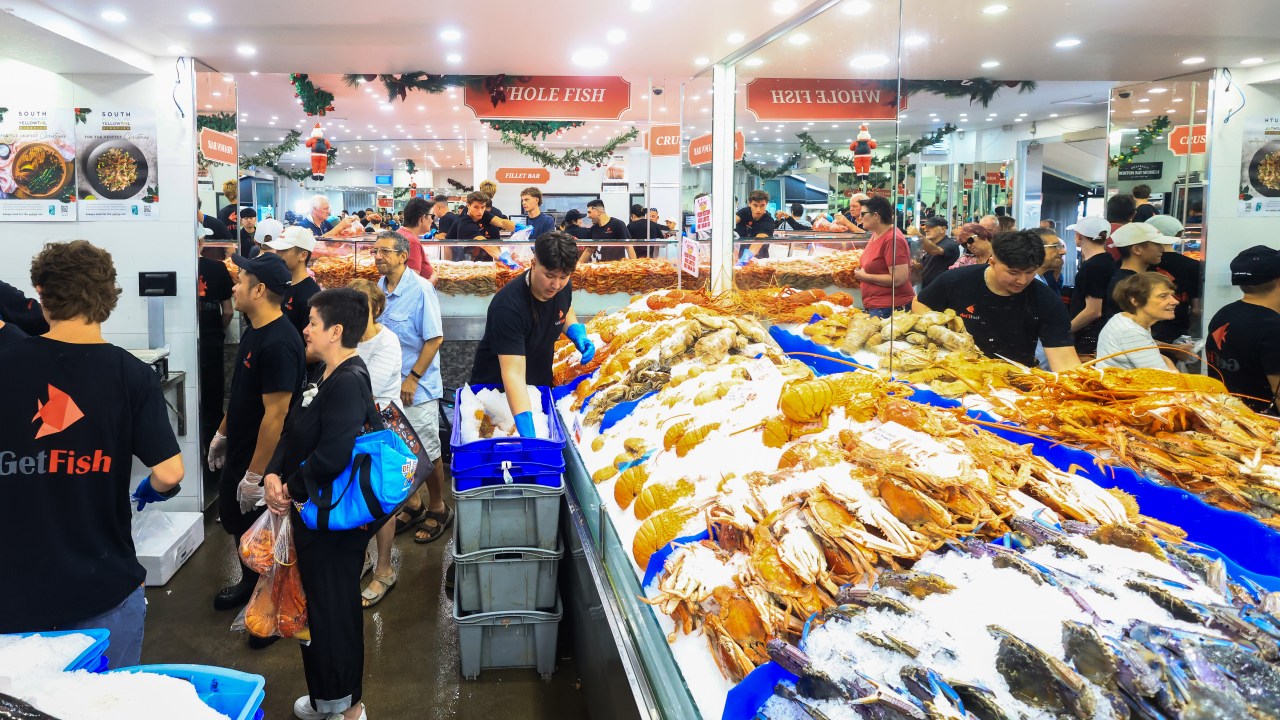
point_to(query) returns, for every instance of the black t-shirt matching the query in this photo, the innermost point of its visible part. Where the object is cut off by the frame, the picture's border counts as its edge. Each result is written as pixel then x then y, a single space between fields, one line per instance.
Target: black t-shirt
pixel 213 287
pixel 613 230
pixel 517 324
pixel 66 475
pixel 1092 280
pixel 219 228
pixel 578 232
pixel 1001 325
pixel 1109 305
pixel 248 247
pixel 491 231
pixel 467 229
pixel 294 303
pixel 444 223
pixel 932 266
pixel 10 334
pixel 749 227
pixel 1185 274
pixel 644 229
pixel 271 359
pixel 1144 213
pixel 25 312
pixel 1244 344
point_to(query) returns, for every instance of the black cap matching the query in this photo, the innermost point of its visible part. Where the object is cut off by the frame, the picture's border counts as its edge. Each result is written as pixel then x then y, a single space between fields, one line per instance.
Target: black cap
pixel 573 215
pixel 935 221
pixel 269 268
pixel 1255 266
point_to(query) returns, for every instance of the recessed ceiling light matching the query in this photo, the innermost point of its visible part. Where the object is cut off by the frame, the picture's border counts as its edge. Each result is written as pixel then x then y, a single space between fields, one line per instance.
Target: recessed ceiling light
pixel 994 9
pixel 253 73
pixel 1067 42
pixel 1157 91
pixel 736 37
pixel 177 50
pixel 114 16
pixel 257 138
pixel 616 36
pixel 1251 61
pixel 991 64
pixel 914 40
pixel 450 35
pixel 1141 111
pixel 990 119
pixel 590 57
pixel 1193 60
pixel 210 107
pixel 1176 100
pixel 453 58
pixel 200 17
pixel 753 62
pixel 992 115
pixel 217 94
pixel 386 107
pixel 856 7
pixel 273 122
pixel 641 5
pixel 933 114
pixel 1053 115
pixel 246 50
pixel 1144 99
pixel 274 117
pixel 864 62
pixel 782 7
pixel 1022 114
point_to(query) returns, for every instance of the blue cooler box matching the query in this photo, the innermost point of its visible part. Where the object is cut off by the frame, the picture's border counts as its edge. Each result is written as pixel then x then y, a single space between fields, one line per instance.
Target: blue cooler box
pixel 500 460
pixel 92 659
pixel 238 695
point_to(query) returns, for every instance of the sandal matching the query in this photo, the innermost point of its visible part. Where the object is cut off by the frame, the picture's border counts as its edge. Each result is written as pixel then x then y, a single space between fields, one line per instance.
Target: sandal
pixel 416 516
pixel 432 532
pixel 370 597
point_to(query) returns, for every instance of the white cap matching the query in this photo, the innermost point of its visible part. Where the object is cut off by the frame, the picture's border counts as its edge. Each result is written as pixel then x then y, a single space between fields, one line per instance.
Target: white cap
pixel 1091 227
pixel 202 231
pixel 1166 224
pixel 1138 233
pixel 269 228
pixel 294 236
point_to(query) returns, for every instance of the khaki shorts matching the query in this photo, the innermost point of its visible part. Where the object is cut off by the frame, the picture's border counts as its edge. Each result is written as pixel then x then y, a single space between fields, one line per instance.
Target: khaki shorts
pixel 425 419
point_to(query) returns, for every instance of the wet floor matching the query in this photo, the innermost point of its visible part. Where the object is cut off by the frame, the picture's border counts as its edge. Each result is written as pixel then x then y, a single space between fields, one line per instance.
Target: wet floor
pixel 411 645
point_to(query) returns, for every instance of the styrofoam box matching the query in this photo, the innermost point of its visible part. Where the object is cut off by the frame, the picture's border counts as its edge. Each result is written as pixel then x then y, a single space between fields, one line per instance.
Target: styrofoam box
pixel 163 555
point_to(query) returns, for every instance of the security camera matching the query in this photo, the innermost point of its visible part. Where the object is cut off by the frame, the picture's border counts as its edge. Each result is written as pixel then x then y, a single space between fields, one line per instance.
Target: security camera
pixel 1124 94
pixel 657 91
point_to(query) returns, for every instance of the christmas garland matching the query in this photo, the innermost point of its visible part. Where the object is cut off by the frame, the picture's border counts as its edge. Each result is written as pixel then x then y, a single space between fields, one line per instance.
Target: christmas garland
pixel 1146 136
pixel 410 166
pixel 978 90
pixel 459 186
pixel 570 159
pixel 269 157
pixel 536 129
pixel 835 159
pixel 315 100
pixel 222 122
pixel 399 86
pixel 400 192
pixel 766 174
pixel 831 157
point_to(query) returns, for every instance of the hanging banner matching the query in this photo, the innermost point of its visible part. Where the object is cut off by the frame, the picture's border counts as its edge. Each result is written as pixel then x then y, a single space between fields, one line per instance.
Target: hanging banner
pixel 553 97
pixel 37 166
pixel 700 148
pixel 663 140
pixel 116 157
pixel 524 176
pixel 994 178
pixel 1260 168
pixel 791 99
pixel 217 146
pixel 1189 139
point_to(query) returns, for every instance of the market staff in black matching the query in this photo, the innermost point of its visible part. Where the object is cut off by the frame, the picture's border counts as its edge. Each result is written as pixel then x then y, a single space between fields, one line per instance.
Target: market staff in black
pixel 524 321
pixel 607 229
pixel 754 221
pixel 1004 308
pixel 573 225
pixel 294 246
pixel 642 228
pixel 22 311
pixel 1244 336
pixel 76 411
pixel 476 223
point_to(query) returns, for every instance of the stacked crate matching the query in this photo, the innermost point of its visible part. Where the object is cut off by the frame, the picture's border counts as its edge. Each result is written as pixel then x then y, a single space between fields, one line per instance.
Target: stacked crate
pixel 506 544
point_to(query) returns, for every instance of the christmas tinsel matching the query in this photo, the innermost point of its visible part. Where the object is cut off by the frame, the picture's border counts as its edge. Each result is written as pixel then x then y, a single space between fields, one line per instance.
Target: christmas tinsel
pixel 222 122
pixel 536 129
pixel 979 90
pixel 399 86
pixel 569 159
pixel 459 186
pixel 1146 136
pixel 269 157
pixel 764 173
pixel 315 100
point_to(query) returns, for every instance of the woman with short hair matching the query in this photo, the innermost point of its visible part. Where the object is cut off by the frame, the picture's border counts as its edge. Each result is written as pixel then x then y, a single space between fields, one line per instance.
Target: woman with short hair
pixel 975 241
pixel 885 275
pixel 1145 298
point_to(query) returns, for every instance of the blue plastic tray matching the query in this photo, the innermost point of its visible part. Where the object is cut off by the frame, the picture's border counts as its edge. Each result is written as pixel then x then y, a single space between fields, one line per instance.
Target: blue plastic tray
pixel 493 452
pixel 238 695
pixel 93 658
pixel 526 473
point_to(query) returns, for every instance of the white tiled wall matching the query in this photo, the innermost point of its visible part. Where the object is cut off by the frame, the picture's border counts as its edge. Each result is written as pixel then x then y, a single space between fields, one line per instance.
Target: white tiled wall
pixel 166 244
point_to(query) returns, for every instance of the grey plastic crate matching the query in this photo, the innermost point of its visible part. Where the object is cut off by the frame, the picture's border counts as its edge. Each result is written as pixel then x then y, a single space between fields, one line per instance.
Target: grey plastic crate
pixel 506 579
pixel 507 640
pixel 508 515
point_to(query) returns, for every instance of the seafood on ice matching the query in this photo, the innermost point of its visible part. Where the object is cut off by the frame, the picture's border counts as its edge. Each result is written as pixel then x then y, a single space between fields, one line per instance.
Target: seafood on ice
pixel 485 414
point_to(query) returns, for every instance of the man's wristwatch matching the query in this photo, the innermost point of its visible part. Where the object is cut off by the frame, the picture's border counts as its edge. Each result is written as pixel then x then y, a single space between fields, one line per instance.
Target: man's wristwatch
pixel 415 374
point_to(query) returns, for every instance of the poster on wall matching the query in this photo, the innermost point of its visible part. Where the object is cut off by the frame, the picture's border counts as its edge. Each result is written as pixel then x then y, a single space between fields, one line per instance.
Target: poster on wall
pixel 37 165
pixel 1260 168
pixel 118 176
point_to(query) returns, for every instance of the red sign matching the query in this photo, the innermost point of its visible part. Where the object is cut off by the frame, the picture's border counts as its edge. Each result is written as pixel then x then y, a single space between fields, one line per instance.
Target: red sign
pixel 1189 140
pixel 386 202
pixel 993 178
pixel 700 148
pixel 663 140
pixel 218 146
pixel 790 99
pixel 525 176
pixel 968 183
pixel 554 97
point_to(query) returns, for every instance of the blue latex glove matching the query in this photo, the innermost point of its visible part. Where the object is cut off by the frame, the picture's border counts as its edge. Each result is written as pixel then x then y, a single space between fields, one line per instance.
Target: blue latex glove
pixel 577 335
pixel 524 424
pixel 144 493
pixel 505 259
pixel 747 256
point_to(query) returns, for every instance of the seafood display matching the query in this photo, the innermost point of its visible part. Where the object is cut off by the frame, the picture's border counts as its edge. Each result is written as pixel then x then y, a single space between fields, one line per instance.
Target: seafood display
pixel 632 276
pixel 800 273
pixel 334 271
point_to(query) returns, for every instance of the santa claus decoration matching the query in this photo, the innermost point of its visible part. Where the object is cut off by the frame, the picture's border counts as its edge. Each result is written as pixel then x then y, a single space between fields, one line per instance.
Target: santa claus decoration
pixel 319 152
pixel 862 148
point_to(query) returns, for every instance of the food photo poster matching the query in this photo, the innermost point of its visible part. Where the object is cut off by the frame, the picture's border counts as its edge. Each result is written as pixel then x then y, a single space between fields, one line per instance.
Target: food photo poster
pixel 37 165
pixel 116 163
pixel 1260 168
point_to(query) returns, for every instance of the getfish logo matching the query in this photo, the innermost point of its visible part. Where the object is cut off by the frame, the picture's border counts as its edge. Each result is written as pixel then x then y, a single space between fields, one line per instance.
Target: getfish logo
pixel 1220 335
pixel 968 313
pixel 56 414
pixel 560 318
pixel 246 359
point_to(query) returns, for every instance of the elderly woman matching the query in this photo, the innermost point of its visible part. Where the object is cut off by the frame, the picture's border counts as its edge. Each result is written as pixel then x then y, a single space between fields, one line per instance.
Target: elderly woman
pixel 1147 298
pixel 885 274
pixel 315 447
pixel 976 242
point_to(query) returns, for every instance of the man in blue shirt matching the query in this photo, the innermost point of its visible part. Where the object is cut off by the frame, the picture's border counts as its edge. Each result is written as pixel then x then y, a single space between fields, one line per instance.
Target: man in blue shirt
pixel 318 221
pixel 413 315
pixel 531 201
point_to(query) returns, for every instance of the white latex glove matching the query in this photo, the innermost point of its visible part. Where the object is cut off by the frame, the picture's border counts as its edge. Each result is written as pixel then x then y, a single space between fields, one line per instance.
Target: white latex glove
pixel 217 451
pixel 250 491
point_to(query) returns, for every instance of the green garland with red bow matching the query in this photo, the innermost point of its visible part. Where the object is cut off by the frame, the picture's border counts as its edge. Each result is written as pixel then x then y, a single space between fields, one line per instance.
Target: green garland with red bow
pixel 399 86
pixel 1146 136
pixel 979 90
pixel 536 129
pixel 570 159
pixel 315 100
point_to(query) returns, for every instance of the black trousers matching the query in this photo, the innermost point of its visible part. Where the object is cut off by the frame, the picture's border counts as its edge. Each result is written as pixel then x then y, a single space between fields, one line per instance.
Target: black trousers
pixel 330 564
pixel 213 386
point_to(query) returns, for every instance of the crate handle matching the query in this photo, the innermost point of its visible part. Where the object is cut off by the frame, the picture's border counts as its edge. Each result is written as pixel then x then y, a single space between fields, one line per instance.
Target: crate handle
pixel 508 556
pixel 511 494
pixel 506 472
pixel 507 446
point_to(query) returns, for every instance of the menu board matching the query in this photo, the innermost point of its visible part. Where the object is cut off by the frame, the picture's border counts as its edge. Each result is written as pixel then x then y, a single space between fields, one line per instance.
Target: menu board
pixel 1260 168
pixel 37 165
pixel 116 158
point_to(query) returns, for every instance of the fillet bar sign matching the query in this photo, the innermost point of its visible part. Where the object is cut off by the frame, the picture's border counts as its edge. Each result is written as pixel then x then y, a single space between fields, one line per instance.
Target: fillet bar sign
pixel 787 99
pixel 528 176
pixel 554 97
pixel 700 148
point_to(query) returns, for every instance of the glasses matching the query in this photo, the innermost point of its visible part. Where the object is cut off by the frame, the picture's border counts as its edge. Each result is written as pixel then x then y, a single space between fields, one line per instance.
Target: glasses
pixel 383 251
pixel 1057 246
pixel 864 212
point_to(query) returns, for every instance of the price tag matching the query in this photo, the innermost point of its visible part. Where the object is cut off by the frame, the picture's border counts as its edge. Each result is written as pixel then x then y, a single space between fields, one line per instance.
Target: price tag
pixel 761 369
pixel 577 429
pixel 689 256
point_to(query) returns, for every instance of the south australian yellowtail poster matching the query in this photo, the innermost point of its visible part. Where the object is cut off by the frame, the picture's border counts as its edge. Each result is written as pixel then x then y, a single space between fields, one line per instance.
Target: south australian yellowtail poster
pixel 37 165
pixel 116 159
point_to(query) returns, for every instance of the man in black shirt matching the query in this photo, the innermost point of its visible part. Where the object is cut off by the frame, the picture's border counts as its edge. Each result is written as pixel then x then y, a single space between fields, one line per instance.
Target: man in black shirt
pixel 1004 307
pixel 1142 198
pixel 10 334
pixel 248 226
pixel 606 229
pixel 213 295
pixel 1140 246
pixel 443 218
pixel 216 227
pixel 754 221
pixel 1092 278
pixel 480 223
pixel 22 311
pixel 268 372
pixel 294 246
pixel 642 228
pixel 792 220
pixel 1244 336
pixel 524 321
pixel 940 250
pixel 573 225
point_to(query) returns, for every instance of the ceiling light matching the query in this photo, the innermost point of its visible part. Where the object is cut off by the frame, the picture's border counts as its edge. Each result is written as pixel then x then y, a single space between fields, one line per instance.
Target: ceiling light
pixel 114 16
pixel 992 115
pixel 1141 111
pixel 865 62
pixel 1022 114
pixel 422 107
pixel 701 60
pixel 253 73
pixel 246 50
pixel 1067 43
pixel 914 40
pixel 991 64
pixel 1144 99
pixel 990 119
pixel 994 9
pixel 1053 115
pixel 275 117
pixel 217 94
pixel 736 38
pixel 615 36
pixel 936 114
pixel 783 7
pixel 200 17
pixel 450 34
pixel 1193 60
pixel 856 7
pixel 754 62
pixel 798 39
pixel 385 106
pixel 273 122
pixel 1157 91
pixel 453 58
pixel 456 108
pixel 641 5
pixel 210 107
pixel 1251 61
pixel 1200 111
pixel 835 125
pixel 1176 100
pixel 590 57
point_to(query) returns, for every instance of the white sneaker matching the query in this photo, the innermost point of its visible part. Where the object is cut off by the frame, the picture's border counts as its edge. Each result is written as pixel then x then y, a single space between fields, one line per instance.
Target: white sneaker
pixel 303 711
pixel 340 716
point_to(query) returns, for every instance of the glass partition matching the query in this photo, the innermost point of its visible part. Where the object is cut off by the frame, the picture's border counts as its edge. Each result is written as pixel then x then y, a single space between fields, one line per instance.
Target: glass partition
pixel 217 174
